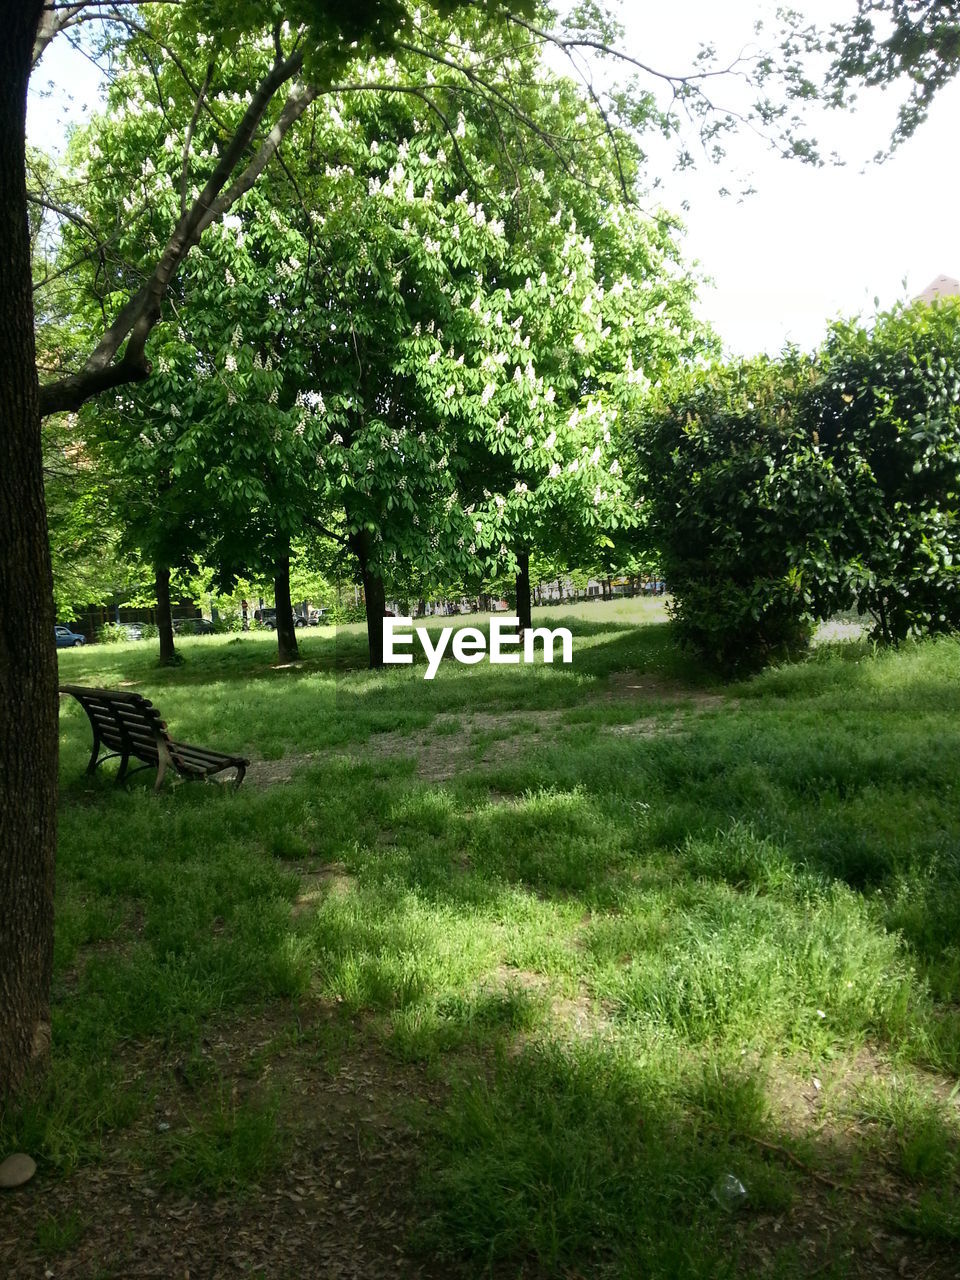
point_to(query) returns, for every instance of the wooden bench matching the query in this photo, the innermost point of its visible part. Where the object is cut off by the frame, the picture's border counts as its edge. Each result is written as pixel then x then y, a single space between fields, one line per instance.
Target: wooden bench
pixel 130 725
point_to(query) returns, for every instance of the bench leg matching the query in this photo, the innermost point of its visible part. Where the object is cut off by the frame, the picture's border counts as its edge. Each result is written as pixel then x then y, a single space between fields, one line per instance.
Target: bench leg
pixel 122 771
pixel 163 760
pixel 91 767
pixel 241 771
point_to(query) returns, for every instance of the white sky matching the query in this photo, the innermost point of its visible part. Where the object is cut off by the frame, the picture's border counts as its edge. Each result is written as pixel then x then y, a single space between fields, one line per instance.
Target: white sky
pixel 809 245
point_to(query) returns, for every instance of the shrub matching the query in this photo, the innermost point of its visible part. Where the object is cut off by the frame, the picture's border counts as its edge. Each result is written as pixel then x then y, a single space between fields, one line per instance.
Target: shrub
pixel 743 507
pixel 112 633
pixel 343 614
pixel 886 411
pixel 225 623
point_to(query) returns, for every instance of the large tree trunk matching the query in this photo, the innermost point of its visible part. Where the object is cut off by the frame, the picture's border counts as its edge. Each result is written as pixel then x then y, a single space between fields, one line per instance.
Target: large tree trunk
pixel 374 595
pixel 286 632
pixel 523 590
pixel 28 661
pixel 168 654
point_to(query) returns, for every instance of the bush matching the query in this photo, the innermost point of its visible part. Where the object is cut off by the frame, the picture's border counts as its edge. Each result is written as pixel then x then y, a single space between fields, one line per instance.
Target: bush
pixel 112 633
pixel 743 507
pixel 886 411
pixel 343 614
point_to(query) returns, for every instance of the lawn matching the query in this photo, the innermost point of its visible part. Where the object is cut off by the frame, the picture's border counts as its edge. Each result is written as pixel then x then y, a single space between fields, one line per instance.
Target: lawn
pixel 506 973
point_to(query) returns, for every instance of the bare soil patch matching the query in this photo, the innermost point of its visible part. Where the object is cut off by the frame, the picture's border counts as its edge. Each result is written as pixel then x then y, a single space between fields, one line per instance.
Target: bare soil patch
pixel 442 755
pixel 341 1205
pixel 447 746
pixel 334 878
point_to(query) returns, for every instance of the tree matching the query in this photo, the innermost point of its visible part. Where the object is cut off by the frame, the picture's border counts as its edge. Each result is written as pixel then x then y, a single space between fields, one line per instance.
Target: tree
pixel 892 43
pixel 28 669
pixel 455 355
pixel 313 42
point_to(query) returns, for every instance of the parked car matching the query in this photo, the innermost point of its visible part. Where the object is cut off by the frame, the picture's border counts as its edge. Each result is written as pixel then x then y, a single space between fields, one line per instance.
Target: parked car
pixel 67 639
pixel 268 617
pixel 193 627
pixel 134 630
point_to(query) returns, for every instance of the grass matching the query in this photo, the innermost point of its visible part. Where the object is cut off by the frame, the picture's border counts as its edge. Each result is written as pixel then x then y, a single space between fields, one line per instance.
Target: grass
pixel 616 924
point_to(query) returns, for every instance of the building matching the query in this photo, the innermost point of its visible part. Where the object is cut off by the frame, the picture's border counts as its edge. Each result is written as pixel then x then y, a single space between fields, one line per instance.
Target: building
pixel 942 287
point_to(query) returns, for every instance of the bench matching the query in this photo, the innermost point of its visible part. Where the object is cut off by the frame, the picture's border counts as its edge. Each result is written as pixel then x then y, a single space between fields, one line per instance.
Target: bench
pixel 128 724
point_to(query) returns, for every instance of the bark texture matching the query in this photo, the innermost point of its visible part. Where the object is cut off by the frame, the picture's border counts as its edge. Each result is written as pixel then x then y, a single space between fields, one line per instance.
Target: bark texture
pixel 523 590
pixel 287 646
pixel 374 595
pixel 164 616
pixel 28 663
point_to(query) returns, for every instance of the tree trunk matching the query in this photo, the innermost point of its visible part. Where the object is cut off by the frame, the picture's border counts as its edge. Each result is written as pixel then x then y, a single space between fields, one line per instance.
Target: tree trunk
pixel 374 595
pixel 28 661
pixel 168 654
pixel 523 590
pixel 286 632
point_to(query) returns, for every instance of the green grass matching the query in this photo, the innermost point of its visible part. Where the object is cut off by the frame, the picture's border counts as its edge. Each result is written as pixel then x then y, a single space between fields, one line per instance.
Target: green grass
pixel 621 929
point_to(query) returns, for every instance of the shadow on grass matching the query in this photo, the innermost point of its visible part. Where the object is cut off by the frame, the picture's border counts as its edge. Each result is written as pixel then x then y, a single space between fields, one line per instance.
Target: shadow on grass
pixel 586 934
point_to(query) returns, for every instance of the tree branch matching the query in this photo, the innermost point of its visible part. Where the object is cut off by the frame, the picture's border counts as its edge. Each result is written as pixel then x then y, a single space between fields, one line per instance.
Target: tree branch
pixel 138 316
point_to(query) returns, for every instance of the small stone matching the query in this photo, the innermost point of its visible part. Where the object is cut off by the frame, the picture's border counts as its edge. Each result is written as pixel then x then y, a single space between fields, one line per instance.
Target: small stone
pixel 16 1170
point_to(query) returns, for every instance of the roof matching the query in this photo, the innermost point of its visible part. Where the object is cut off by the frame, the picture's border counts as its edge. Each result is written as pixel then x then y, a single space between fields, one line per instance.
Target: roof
pixel 942 287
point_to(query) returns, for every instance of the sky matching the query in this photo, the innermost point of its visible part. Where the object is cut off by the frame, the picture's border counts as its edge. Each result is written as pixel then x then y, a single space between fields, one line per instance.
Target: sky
pixel 809 245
